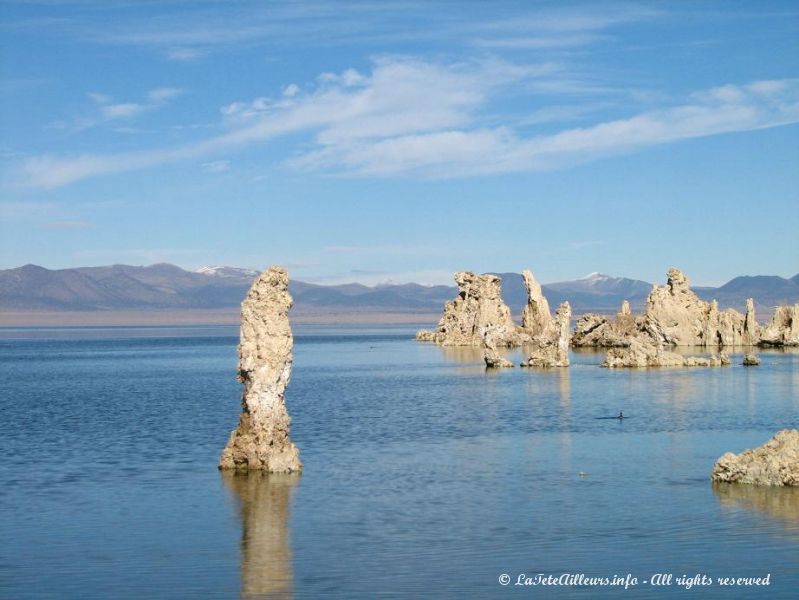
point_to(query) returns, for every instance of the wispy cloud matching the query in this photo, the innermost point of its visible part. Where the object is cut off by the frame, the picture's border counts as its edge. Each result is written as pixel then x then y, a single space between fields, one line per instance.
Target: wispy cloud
pixel 68 225
pixel 414 118
pixel 539 42
pixel 582 244
pixel 560 27
pixel 105 109
pixel 216 166
pixel 163 94
pixel 467 152
pixel 184 54
pixel 182 35
pixel 11 211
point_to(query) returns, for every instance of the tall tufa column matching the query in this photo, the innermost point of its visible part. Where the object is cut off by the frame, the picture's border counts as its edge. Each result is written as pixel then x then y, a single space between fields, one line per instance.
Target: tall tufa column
pixel 261 440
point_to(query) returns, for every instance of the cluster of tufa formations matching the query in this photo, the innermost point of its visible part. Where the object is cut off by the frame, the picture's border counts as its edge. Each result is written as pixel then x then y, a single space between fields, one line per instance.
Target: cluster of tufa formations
pixel 598 331
pixel 261 440
pixel 674 316
pixel 774 463
pixel 477 309
pixel 551 349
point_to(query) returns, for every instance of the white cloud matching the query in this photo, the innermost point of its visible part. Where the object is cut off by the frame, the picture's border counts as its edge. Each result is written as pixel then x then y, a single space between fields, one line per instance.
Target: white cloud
pixel 183 54
pixel 464 152
pixel 105 109
pixel 122 111
pixel 216 166
pixel 99 98
pixel 409 117
pixel 541 42
pixel 163 94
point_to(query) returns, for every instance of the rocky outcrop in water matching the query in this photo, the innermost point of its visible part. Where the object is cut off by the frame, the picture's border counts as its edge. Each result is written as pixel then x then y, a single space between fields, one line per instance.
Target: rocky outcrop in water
pixel 493 359
pixel 477 308
pixel 676 316
pixel 598 331
pixel 552 350
pixel 783 329
pixel 774 463
pixel 261 440
pixel 751 333
pixel 751 360
pixel 536 318
pixel 643 353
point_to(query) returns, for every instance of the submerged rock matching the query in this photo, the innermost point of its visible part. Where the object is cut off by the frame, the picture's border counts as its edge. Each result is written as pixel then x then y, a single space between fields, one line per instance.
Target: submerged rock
pixel 751 360
pixel 783 329
pixel 643 353
pixel 478 307
pixel 774 463
pixel 261 440
pixel 676 316
pixel 553 350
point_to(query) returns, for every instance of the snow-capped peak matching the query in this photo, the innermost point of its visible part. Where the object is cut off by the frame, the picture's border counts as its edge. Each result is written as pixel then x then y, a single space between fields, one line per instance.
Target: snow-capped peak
pixel 221 271
pixel 594 276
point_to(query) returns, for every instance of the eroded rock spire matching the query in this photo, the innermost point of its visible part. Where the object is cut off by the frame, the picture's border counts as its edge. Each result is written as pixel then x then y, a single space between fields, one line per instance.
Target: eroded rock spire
pixel 536 318
pixel 261 440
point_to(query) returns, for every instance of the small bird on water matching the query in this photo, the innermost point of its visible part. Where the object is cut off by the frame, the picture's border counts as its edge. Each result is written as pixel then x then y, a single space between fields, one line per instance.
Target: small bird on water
pixel 618 417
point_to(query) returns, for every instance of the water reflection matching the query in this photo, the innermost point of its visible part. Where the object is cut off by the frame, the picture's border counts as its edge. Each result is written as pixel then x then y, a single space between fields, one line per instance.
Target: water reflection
pixel 266 562
pixel 564 387
pixel 466 354
pixel 780 503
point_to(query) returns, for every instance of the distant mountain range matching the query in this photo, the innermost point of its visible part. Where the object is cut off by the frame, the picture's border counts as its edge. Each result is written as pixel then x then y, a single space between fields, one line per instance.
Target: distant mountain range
pixel 165 286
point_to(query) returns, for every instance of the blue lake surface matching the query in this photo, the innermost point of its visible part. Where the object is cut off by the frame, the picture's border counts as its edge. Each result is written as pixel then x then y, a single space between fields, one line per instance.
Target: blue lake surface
pixel 425 475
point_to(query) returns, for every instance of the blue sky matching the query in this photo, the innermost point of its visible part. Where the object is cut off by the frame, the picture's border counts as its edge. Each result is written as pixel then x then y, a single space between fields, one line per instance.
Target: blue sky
pixel 401 141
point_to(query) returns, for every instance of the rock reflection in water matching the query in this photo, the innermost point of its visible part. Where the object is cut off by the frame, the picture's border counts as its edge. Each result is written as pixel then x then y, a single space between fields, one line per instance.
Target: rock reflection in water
pixel 266 563
pixel 466 354
pixel 781 503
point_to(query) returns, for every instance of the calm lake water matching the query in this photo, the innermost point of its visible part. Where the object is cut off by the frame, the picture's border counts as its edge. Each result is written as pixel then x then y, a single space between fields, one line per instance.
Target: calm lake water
pixel 425 476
